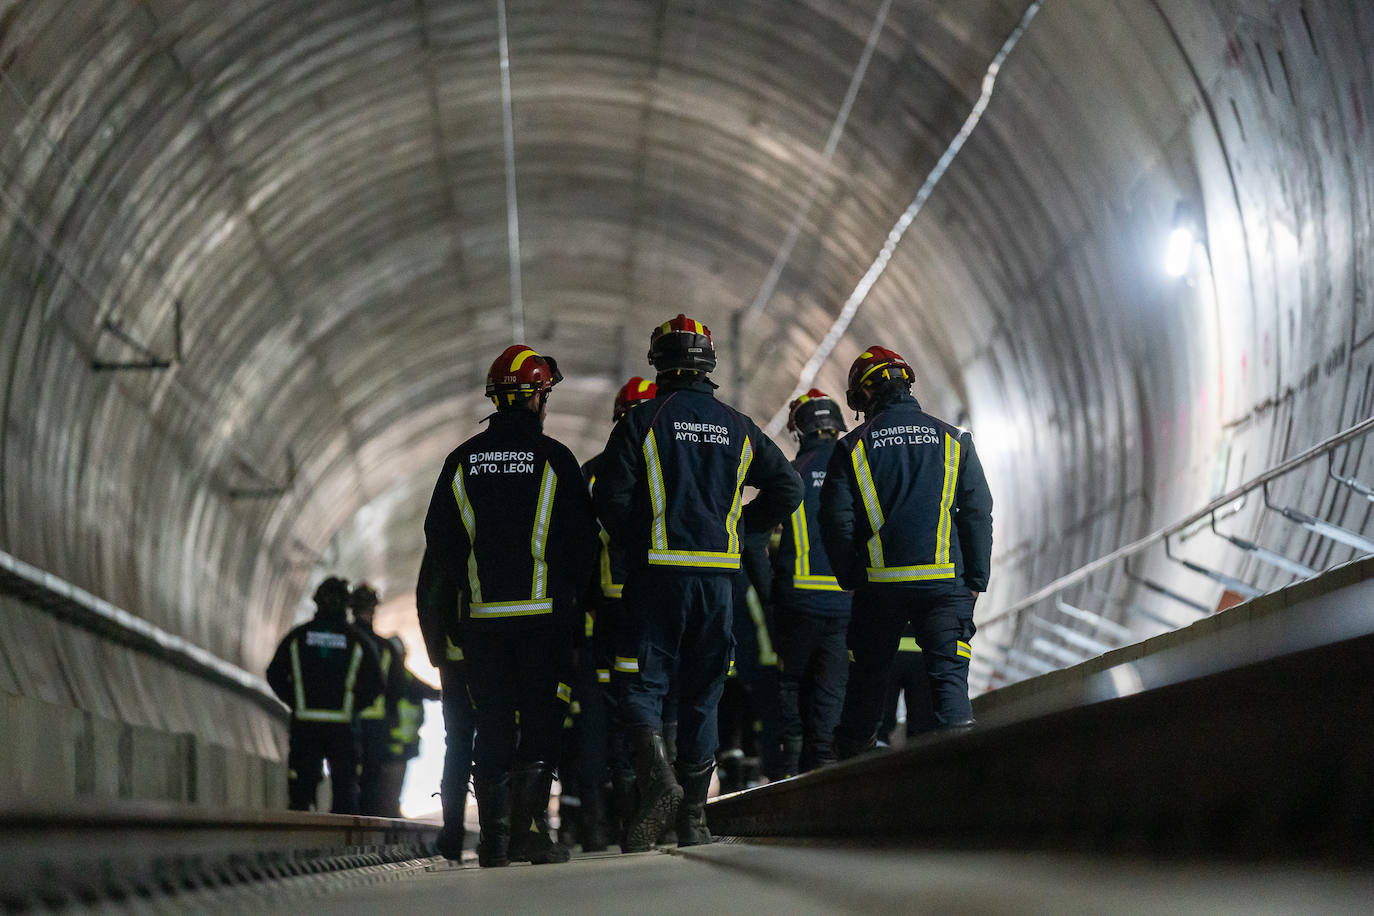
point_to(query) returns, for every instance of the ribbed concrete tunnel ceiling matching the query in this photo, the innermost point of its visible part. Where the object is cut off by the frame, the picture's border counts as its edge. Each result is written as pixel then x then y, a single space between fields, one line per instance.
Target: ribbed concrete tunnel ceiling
pixel 306 209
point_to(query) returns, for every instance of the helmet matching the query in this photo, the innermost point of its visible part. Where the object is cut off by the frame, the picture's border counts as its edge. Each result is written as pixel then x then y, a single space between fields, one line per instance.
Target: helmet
pixel 332 590
pixel 873 367
pixel 364 596
pixel 519 373
pixel 682 343
pixel 813 412
pixel 632 394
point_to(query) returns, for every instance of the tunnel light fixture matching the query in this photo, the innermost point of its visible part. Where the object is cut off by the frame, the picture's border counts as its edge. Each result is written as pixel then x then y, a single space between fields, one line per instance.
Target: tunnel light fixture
pixel 1178 253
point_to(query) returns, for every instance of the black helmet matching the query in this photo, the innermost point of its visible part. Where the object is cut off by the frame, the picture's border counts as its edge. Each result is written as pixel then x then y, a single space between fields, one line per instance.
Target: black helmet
pixel 813 412
pixel 332 590
pixel 682 343
pixel 363 596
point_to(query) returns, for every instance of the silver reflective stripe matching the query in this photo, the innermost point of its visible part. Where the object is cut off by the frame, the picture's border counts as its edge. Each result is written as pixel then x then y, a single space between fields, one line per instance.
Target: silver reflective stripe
pixel 708 559
pixel 511 608
pixel 947 499
pixel 746 457
pixel 460 493
pixel 870 497
pixel 911 573
pixel 625 663
pixel 657 500
pixel 539 539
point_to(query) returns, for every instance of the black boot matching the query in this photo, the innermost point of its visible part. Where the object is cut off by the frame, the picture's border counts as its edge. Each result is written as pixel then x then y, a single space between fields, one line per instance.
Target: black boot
pixel 592 825
pixel 731 770
pixel 624 801
pixel 659 793
pixel 530 840
pixel 493 816
pixel 449 843
pixel 847 747
pixel 691 814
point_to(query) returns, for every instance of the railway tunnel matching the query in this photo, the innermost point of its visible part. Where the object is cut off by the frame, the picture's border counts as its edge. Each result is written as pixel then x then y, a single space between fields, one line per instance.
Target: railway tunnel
pixel 256 258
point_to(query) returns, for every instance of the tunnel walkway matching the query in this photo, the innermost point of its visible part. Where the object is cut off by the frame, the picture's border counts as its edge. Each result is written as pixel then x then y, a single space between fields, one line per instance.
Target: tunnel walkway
pixel 1242 788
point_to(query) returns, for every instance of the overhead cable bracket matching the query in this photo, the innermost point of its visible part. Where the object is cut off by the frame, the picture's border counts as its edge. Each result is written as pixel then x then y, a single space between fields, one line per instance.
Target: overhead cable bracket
pixel 151 361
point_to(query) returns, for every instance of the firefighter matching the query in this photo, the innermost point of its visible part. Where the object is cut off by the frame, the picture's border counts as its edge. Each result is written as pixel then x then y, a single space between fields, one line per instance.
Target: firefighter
pixel 615 648
pixel 811 609
pixel 510 541
pixel 378 718
pixel 669 489
pixel 325 670
pixel 906 518
pixel 406 719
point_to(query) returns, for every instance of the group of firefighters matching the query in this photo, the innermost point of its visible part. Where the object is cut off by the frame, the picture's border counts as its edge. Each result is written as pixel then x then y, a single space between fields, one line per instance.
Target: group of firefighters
pixel 633 588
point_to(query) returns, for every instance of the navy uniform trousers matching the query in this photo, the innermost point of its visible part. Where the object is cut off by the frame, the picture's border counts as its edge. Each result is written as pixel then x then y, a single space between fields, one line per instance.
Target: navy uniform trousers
pixel 683 622
pixel 524 671
pixel 941 618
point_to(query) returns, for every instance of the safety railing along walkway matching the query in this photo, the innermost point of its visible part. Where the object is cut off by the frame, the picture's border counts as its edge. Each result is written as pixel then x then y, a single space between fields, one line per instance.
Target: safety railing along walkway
pixel 1042 655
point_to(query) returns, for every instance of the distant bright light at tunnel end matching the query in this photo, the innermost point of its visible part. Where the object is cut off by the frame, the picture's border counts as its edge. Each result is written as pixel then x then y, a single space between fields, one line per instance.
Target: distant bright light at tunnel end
pixel 1178 255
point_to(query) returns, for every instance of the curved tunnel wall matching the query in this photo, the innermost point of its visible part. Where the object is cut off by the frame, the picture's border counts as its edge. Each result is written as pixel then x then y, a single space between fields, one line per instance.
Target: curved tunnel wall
pixel 313 196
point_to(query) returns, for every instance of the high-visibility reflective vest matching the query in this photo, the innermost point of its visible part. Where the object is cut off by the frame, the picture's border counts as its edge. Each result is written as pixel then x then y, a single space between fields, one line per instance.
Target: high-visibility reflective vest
pixel 803 579
pixel 921 498
pixel 385 654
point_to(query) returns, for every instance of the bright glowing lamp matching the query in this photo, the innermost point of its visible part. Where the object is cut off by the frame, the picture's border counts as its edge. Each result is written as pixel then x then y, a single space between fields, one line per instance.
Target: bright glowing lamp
pixel 1179 252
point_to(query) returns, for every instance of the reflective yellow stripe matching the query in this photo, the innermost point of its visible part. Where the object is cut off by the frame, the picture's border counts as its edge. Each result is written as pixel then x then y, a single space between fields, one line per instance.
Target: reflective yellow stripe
pixel 625 663
pixel 511 608
pixel 870 497
pixel 947 499
pixel 603 675
pixel 908 644
pixel 709 559
pixel 539 539
pixel 452 653
pixel 520 360
pixel 963 649
pixel 817 583
pixel 378 708
pixel 657 500
pixel 609 587
pixel 306 714
pixel 588 624
pixel 801 542
pixel 911 573
pixel 460 493
pixel 766 654
pixel 564 692
pixel 746 457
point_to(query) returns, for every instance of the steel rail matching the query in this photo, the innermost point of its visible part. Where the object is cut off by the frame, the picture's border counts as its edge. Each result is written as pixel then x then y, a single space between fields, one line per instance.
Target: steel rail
pixel 1121 553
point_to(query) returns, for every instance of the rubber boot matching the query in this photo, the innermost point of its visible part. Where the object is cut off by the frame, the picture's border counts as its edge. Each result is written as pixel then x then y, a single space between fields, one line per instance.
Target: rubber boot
pixel 530 840
pixel 791 755
pixel 592 825
pixel 731 770
pixel 691 814
pixel 624 801
pixel 668 835
pixel 847 747
pixel 659 793
pixel 449 843
pixel 493 816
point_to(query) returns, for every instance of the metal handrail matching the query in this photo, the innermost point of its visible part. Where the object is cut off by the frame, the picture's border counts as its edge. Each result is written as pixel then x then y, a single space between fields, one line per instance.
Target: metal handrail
pixel 1121 553
pixel 48 592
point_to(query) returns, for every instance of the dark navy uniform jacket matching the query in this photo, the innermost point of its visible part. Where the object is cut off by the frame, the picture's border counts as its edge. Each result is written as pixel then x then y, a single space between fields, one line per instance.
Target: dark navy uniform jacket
pixel 326 670
pixel 905 503
pixel 669 486
pixel 611 564
pixel 510 536
pixel 802 577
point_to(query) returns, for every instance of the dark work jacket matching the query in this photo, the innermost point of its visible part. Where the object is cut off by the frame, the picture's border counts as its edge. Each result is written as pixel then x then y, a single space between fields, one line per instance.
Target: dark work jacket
pixel 802 577
pixel 393 678
pixel 905 503
pixel 671 478
pixel 326 670
pixel 510 537
pixel 611 562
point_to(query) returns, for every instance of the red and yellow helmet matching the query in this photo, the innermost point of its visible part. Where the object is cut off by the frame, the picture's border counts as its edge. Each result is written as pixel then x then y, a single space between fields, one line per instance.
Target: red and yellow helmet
pixel 633 393
pixel 813 412
pixel 873 367
pixel 682 343
pixel 519 373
